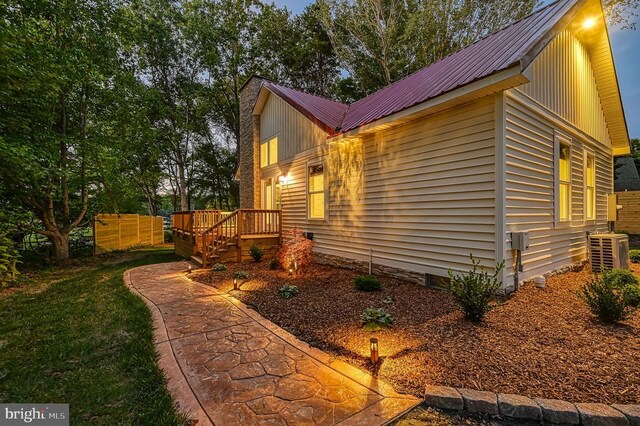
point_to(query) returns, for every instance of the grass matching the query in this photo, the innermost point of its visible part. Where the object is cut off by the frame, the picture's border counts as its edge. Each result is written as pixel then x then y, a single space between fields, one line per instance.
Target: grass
pixel 77 335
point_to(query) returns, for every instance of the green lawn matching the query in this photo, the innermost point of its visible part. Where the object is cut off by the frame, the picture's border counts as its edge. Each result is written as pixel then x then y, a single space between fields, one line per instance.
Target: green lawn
pixel 77 335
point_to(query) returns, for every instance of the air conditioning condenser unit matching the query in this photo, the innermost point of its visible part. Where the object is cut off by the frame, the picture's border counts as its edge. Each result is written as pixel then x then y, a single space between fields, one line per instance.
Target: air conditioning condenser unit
pixel 608 251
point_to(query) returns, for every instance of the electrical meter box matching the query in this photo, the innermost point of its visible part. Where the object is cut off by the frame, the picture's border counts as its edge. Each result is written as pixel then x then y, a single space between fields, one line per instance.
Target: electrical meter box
pixel 520 241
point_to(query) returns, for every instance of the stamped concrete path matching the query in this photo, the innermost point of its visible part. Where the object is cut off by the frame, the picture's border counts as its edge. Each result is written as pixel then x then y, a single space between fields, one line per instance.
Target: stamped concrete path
pixel 227 365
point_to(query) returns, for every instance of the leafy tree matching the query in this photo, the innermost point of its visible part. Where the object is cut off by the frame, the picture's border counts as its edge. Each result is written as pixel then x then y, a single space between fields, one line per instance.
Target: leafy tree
pixel 381 41
pixel 57 60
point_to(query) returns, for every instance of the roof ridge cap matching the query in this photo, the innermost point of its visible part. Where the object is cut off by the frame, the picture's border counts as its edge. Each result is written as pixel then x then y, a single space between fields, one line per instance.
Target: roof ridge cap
pixel 307 93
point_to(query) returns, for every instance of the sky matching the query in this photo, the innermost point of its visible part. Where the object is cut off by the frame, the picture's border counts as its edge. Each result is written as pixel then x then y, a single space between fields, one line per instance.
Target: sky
pixel 626 55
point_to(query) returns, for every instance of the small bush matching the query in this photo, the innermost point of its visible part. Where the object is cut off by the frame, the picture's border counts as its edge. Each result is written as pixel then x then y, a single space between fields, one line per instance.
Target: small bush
pixel 287 291
pixel 604 299
pixel 9 259
pixel 631 295
pixel 168 236
pixel 273 264
pixel 474 291
pixel 620 278
pixel 368 283
pixel 241 275
pixel 219 267
pixel 256 253
pixel 296 251
pixel 375 319
pixel 634 256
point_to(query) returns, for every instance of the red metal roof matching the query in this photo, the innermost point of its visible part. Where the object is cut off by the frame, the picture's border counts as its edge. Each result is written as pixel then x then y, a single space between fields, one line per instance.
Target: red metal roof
pixel 494 53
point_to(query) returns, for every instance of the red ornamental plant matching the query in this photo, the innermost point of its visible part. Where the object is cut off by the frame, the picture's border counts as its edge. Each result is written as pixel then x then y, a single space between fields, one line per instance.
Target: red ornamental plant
pixel 296 251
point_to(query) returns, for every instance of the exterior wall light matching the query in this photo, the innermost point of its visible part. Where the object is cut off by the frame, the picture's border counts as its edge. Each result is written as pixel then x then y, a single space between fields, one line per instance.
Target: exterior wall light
pixel 589 23
pixel 373 348
pixel 284 179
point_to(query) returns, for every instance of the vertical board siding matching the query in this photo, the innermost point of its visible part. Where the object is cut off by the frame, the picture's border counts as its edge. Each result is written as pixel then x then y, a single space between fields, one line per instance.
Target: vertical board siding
pixel 562 80
pixel 629 215
pixel 530 190
pixel 296 133
pixel 421 195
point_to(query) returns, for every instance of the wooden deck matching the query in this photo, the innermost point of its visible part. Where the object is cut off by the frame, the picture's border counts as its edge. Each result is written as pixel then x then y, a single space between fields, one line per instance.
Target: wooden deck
pixel 207 236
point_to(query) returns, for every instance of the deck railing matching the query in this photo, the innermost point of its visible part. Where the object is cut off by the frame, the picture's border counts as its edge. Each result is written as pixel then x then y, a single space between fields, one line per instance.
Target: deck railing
pixel 194 222
pixel 234 226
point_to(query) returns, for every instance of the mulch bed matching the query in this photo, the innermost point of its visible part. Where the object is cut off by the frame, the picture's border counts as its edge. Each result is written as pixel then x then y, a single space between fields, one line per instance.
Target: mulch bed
pixel 539 342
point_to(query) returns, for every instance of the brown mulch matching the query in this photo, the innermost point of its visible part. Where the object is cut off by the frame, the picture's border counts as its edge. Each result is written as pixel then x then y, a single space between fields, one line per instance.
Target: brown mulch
pixel 539 342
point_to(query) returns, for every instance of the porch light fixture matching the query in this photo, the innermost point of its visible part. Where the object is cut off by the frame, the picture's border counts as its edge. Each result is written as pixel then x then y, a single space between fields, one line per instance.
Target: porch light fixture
pixel 283 179
pixel 373 348
pixel 589 23
pixel 235 284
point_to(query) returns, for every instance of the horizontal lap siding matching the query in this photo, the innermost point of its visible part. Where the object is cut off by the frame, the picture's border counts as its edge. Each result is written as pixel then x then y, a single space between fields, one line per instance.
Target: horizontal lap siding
pixel 421 195
pixel 530 190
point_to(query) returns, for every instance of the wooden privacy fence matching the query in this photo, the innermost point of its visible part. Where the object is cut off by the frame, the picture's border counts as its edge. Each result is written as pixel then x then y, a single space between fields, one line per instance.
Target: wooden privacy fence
pixel 122 231
pixel 629 215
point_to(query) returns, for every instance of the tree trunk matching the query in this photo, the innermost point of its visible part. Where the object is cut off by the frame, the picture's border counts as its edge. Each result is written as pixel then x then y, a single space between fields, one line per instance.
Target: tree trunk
pixel 60 244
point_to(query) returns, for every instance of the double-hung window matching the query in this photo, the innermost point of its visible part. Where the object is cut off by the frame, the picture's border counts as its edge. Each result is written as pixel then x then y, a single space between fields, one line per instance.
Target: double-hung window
pixel 316 192
pixel 589 186
pixel 269 152
pixel 563 176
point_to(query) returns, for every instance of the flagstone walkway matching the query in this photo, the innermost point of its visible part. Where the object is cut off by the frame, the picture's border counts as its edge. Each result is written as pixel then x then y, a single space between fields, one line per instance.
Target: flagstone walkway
pixel 227 365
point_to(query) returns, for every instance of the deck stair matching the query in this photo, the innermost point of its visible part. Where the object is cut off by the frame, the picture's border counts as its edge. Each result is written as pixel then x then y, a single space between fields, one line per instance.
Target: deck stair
pixel 211 236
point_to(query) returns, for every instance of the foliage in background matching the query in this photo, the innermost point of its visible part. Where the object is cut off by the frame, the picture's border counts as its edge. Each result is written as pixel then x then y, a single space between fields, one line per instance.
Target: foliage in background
pixel 634 255
pixel 605 297
pixel 368 283
pixel 9 259
pixel 375 319
pixel 296 251
pixel 475 291
pixel 256 253
pixel 287 291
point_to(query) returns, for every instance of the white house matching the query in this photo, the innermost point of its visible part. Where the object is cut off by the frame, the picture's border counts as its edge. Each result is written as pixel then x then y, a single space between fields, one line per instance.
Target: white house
pixel 516 132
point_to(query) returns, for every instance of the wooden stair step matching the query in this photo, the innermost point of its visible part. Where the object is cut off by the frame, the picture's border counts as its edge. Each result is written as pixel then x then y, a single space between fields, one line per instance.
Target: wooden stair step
pixel 197 260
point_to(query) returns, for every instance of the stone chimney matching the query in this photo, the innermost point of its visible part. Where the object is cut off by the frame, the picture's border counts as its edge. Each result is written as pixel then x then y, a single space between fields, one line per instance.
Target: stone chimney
pixel 249 149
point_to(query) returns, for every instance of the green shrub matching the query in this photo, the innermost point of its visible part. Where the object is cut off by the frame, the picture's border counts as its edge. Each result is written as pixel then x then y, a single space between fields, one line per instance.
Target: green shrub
pixel 375 319
pixel 219 267
pixel 9 259
pixel 631 295
pixel 168 236
pixel 256 253
pixel 474 291
pixel 241 275
pixel 604 299
pixel 368 283
pixel 274 264
pixel 634 256
pixel 287 291
pixel 620 278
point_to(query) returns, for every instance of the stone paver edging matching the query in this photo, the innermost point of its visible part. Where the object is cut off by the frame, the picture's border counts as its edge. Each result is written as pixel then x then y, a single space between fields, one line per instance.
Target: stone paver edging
pixel 522 407
pixel 225 364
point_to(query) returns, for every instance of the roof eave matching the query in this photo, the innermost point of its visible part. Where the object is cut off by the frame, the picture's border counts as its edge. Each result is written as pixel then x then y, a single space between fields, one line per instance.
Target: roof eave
pixel 495 82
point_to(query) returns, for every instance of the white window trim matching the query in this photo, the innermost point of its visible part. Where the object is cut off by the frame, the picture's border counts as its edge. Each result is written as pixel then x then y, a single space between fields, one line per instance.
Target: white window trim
pixel 326 192
pixel 266 141
pixel 560 138
pixel 589 152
